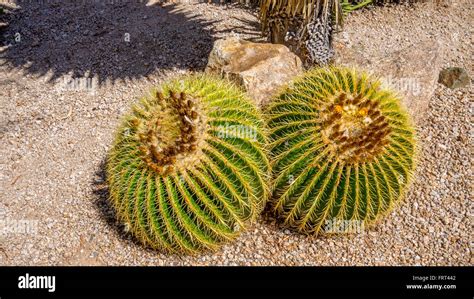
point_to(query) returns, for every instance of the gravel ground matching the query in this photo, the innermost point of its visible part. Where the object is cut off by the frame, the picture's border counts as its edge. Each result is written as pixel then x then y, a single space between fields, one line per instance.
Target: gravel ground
pixel 54 136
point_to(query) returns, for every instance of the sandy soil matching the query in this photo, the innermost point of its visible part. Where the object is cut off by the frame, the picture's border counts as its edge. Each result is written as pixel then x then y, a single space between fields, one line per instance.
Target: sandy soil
pixel 55 133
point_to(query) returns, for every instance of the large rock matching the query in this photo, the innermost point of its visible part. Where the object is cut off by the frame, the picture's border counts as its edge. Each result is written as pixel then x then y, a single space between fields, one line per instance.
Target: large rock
pixel 262 69
pixel 412 71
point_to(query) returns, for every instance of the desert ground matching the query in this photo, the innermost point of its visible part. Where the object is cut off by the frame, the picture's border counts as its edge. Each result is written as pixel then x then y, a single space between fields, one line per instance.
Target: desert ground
pixel 55 133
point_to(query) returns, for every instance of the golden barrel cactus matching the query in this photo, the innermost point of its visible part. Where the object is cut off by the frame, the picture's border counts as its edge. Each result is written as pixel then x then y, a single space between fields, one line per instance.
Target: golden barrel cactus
pixel 342 149
pixel 188 171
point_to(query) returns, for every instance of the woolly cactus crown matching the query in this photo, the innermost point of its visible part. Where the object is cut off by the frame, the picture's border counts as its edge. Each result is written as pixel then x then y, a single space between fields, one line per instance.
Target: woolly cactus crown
pixel 187 171
pixel 341 148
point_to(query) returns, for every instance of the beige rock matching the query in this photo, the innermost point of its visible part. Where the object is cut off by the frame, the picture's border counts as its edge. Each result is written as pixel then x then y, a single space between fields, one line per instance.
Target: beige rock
pixel 412 71
pixel 261 68
pixel 454 77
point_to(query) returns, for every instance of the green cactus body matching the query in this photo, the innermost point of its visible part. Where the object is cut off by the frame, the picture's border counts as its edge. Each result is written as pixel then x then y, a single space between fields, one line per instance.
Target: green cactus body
pixel 342 148
pixel 188 169
pixel 349 5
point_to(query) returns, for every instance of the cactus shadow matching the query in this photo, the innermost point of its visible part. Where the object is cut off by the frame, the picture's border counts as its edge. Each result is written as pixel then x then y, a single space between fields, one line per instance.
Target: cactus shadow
pixel 107 40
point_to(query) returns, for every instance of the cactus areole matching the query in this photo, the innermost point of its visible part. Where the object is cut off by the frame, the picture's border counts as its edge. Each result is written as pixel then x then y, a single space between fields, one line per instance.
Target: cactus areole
pixel 171 136
pixel 353 128
pixel 180 176
pixel 342 149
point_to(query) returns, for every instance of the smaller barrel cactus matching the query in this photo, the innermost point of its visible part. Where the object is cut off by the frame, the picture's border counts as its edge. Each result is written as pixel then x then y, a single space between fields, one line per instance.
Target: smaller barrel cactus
pixel 188 170
pixel 342 149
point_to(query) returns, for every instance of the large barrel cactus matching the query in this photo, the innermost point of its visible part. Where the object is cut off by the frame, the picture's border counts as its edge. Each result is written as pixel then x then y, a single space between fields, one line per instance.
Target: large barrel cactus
pixel 188 171
pixel 342 149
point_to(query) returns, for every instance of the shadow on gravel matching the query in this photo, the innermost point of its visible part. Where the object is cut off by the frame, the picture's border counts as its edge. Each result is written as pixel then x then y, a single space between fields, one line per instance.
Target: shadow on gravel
pixel 251 28
pixel 106 39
